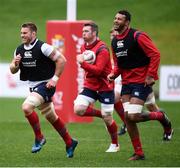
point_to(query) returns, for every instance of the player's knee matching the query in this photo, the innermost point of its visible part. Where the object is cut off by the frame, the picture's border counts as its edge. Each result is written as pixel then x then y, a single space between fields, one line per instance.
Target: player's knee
pixel 144 116
pixel 108 119
pixel 48 111
pixel 79 110
pixel 107 111
pixel 125 115
pixel 27 109
pixel 131 117
pixel 30 103
pixel 152 107
pixel 81 103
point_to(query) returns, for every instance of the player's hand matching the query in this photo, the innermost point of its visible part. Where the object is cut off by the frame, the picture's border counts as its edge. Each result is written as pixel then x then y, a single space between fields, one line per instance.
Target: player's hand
pixel 51 84
pixel 17 60
pixel 149 81
pixel 80 58
pixel 111 77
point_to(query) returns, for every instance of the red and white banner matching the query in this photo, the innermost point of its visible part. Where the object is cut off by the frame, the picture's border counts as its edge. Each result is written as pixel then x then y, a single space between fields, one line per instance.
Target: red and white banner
pixel 66 37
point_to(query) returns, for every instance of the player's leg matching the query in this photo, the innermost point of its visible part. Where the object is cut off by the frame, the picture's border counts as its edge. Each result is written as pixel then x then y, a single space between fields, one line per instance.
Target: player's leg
pixel 156 114
pixel 118 106
pixel 107 107
pixel 132 107
pixel 139 94
pixel 150 103
pixel 83 104
pixel 47 109
pixel 30 103
pixel 111 127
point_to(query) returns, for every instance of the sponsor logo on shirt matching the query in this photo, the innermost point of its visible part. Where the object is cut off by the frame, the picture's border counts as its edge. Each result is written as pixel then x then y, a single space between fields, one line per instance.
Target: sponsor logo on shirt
pixel 29 64
pixel 28 54
pixel 122 53
pixel 120 44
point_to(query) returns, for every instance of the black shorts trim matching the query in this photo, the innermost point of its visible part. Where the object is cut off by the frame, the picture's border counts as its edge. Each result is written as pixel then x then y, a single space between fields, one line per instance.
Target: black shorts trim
pixel 106 97
pixel 45 92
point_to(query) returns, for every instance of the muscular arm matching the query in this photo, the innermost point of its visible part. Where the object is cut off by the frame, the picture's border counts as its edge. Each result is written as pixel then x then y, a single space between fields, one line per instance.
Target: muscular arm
pixel 151 51
pixel 60 61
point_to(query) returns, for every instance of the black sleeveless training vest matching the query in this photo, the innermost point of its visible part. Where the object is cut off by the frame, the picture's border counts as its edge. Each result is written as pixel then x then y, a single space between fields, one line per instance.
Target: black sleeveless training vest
pixel 128 52
pixel 35 66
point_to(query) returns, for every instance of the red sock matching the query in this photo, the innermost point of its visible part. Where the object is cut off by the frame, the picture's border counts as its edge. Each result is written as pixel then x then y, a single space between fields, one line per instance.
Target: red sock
pixel 34 122
pixel 92 112
pixel 120 110
pixel 156 116
pixel 61 129
pixel 112 129
pixel 167 129
pixel 136 142
pixel 160 117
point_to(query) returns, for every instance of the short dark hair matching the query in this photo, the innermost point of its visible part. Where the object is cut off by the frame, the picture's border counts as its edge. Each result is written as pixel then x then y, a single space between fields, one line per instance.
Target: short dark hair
pixel 126 13
pixel 93 25
pixel 30 25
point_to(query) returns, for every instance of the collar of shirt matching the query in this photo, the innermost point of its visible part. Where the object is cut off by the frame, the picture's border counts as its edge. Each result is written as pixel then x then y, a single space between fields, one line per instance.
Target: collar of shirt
pixel 122 35
pixel 88 47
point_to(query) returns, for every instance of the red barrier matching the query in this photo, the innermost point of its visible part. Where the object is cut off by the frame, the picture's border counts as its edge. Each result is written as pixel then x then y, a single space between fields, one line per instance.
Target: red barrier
pixel 66 37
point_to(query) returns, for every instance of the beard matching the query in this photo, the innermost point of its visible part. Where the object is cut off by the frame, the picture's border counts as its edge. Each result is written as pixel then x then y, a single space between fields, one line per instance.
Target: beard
pixel 119 28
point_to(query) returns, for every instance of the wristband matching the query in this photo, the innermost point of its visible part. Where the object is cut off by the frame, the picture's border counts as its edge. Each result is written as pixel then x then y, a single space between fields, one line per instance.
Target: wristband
pixel 55 78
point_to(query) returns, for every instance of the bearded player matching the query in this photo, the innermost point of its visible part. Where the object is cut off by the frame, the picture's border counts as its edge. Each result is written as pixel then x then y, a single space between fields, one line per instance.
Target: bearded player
pixel 96 85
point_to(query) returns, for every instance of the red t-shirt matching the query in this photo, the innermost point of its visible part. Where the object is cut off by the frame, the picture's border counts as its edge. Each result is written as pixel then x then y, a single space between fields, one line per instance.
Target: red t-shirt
pixel 96 74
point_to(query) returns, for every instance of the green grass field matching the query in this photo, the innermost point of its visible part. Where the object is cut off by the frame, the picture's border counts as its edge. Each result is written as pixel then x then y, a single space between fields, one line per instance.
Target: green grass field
pixel 160 19
pixel 16 138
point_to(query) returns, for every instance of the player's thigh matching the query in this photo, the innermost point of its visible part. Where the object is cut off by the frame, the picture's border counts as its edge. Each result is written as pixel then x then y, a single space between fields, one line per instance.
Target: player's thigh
pixel 47 109
pixel 139 95
pixel 133 97
pixel 46 93
pixel 117 89
pixel 31 102
pixel 140 92
pixel 150 99
pixel 117 96
pixel 107 100
pixel 84 99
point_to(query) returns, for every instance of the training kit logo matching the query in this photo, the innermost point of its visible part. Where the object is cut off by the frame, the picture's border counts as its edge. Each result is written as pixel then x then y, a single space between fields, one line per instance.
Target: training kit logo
pixel 28 54
pixel 58 42
pixel 120 44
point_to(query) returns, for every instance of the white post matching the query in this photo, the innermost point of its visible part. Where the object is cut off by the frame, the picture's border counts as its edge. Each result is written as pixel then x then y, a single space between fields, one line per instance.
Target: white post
pixel 71 10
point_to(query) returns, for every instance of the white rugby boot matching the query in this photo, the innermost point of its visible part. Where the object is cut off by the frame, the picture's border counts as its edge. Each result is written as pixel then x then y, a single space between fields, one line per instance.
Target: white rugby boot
pixel 113 148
